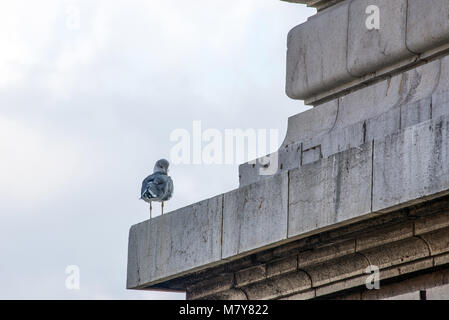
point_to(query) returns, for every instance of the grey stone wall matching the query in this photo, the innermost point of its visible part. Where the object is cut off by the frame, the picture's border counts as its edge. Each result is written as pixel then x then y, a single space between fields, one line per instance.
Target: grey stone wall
pixel 362 179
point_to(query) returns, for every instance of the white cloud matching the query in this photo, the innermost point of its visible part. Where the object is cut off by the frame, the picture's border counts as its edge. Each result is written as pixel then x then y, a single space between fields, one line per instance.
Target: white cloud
pixel 35 167
pixel 84 113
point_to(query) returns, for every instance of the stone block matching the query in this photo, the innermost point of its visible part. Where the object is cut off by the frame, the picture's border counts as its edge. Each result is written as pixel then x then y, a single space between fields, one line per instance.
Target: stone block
pixel 341 286
pixel 232 294
pixel 383 124
pixel 277 287
pixel 342 139
pixel 311 122
pixel 338 269
pixel 402 287
pixel 316 55
pixel 431 223
pixel 282 266
pixel 438 241
pixel 210 286
pixel 412 267
pixel 175 243
pixel 385 235
pixel 250 275
pixel 404 268
pixel 326 253
pixel 411 164
pixel 416 112
pixel 440 96
pixel 311 155
pixel 255 215
pixel 369 102
pixel 396 253
pixel 306 295
pixel 370 50
pixel 330 191
pixel 290 156
pixel 318 4
pixel 441 260
pixel 427 24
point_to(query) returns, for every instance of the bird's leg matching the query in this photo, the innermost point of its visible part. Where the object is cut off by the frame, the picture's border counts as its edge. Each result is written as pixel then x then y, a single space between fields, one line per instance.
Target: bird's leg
pixel 151 209
pixel 162 207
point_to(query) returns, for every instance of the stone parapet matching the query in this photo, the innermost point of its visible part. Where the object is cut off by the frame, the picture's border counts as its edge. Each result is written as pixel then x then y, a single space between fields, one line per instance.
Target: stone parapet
pixel 361 180
pixel 335 52
pixel 370 113
pixel 350 186
pixel 335 263
pixel 318 4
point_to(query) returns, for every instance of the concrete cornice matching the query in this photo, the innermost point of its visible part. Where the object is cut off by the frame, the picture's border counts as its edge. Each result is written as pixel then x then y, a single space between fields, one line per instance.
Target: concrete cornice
pixel 318 4
pixel 375 148
pixel 338 51
pixel 405 242
pixel 355 185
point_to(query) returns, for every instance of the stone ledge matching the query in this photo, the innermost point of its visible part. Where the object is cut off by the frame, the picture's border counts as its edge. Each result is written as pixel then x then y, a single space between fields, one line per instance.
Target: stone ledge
pixel 334 52
pixel 339 273
pixel 268 214
pixel 318 4
pixel 371 113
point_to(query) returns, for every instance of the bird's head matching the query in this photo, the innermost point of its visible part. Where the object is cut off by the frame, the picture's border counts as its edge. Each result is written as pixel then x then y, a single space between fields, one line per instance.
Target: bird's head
pixel 161 166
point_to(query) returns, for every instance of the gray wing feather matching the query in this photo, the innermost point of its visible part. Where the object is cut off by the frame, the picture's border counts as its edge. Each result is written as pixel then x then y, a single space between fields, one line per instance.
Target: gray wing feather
pixel 157 187
pixel 168 189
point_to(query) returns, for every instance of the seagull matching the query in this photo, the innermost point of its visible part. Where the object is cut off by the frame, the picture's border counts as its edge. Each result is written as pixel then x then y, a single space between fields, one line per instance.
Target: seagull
pixel 158 186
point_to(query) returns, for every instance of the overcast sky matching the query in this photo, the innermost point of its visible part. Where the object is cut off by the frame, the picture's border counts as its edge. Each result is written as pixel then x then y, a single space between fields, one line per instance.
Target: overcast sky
pixel 89 94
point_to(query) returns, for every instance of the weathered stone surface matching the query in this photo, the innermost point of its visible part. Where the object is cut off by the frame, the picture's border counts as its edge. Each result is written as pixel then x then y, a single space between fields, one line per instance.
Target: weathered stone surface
pixel 441 260
pixel 326 253
pixel 232 294
pixel 311 155
pixel 438 293
pixel 277 287
pixel 371 54
pixel 383 124
pixel 281 266
pixel 174 243
pixel 411 164
pixel 341 285
pixel 369 113
pixel 440 96
pixel 427 25
pixel 255 216
pixel 316 55
pixel 250 275
pixel 306 295
pixel 265 167
pixel 343 139
pixel 412 285
pixel 416 112
pixel 404 268
pixel 408 268
pixel 397 252
pixel 319 4
pixel 370 50
pixel 312 122
pixel 438 241
pixel 337 269
pixel 210 286
pixel 385 235
pixel 330 191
